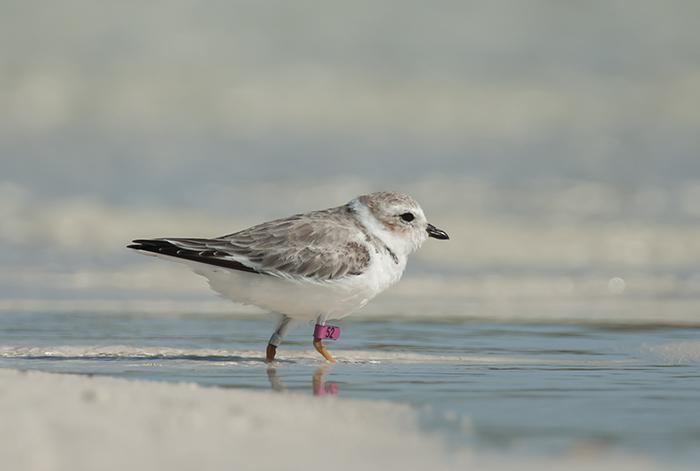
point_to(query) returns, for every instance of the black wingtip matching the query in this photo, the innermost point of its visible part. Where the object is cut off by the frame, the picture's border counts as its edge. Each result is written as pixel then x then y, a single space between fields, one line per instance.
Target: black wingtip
pixel 209 257
pixel 145 244
pixel 151 245
pixel 150 242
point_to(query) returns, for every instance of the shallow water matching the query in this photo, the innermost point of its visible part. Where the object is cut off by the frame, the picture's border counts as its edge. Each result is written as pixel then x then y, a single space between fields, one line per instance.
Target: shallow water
pixel 532 388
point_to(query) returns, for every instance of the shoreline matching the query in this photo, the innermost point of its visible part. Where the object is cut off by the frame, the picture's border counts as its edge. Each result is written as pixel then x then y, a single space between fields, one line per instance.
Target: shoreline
pixel 57 421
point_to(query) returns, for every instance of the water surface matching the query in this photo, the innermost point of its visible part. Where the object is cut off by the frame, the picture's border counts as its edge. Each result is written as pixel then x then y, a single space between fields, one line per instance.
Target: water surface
pixel 538 388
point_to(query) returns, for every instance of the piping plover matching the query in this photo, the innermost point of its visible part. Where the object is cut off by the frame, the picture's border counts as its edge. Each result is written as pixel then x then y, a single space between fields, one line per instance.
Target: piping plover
pixel 320 265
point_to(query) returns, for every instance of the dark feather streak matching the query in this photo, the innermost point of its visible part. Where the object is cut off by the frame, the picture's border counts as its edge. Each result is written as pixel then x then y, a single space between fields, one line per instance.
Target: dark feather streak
pixel 209 257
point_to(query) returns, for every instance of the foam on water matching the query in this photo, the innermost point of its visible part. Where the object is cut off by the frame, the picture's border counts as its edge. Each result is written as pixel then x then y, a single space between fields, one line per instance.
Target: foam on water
pixel 254 357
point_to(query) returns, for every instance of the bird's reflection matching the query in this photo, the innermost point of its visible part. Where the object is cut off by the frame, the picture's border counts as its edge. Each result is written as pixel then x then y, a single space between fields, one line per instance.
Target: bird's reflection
pixel 275 382
pixel 318 386
pixel 321 388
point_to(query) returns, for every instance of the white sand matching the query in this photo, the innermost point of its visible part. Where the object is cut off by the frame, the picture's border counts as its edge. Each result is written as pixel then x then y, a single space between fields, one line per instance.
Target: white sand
pixel 64 422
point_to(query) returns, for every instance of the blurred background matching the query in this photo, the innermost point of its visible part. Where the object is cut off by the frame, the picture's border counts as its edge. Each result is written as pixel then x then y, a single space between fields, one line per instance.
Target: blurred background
pixel 557 143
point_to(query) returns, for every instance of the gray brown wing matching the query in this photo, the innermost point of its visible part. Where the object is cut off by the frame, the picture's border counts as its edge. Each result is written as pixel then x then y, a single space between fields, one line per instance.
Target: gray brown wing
pixel 323 245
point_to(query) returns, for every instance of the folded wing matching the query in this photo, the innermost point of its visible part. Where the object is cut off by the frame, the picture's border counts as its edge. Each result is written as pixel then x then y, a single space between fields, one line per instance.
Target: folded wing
pixel 321 246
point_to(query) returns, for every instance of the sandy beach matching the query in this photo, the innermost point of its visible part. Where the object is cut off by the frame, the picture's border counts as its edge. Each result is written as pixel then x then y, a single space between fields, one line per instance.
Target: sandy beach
pixel 61 422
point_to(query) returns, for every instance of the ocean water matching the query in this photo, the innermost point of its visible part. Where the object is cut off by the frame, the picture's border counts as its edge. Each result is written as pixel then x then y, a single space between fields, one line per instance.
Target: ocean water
pixel 534 388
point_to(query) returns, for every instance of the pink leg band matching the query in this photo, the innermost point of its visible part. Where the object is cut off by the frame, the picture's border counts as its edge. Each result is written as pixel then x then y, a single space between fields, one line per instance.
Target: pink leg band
pixel 326 332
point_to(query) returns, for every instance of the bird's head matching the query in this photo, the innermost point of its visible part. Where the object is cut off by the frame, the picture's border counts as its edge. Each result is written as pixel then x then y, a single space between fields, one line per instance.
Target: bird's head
pixel 399 218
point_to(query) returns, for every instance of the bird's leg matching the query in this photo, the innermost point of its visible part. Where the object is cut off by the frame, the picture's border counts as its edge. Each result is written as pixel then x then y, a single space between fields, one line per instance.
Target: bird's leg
pixel 320 348
pixel 276 339
pixel 321 331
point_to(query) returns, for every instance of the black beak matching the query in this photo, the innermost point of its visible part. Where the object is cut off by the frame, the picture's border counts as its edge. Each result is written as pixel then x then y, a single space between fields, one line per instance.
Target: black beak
pixel 437 233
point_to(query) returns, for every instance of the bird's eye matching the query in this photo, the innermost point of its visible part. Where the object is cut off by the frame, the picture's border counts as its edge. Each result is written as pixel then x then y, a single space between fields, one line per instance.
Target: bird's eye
pixel 408 217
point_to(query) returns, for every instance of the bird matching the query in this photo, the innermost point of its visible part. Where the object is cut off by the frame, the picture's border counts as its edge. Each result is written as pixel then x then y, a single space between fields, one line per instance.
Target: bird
pixel 320 265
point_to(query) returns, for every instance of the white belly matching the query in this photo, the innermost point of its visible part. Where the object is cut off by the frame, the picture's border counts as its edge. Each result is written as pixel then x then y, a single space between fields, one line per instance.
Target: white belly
pixel 304 300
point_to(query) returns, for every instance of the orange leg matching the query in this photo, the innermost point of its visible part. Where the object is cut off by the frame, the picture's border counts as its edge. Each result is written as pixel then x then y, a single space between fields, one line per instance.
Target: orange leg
pixel 320 348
